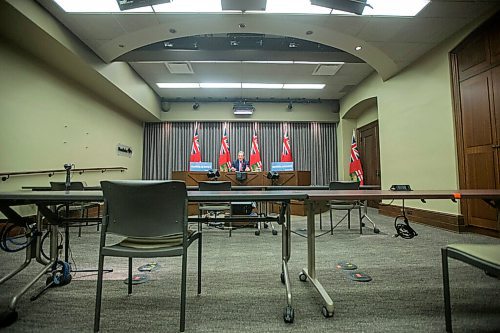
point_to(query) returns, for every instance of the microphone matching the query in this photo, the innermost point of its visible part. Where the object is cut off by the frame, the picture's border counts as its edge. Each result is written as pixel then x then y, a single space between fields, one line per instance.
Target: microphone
pixel 67 184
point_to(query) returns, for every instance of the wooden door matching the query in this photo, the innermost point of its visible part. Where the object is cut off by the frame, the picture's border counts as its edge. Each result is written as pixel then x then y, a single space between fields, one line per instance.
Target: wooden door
pixel 369 152
pixel 479 131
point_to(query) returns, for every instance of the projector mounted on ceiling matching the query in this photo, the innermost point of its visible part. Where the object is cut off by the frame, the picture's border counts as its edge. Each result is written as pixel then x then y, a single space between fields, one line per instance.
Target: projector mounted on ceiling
pixel 243 109
pixel 350 6
pixel 131 4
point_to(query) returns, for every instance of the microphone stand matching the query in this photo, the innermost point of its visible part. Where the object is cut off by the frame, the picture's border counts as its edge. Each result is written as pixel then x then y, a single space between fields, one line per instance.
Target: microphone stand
pixel 67 184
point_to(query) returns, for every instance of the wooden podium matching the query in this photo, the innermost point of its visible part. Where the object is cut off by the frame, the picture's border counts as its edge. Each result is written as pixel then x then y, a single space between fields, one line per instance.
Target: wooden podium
pixel 288 178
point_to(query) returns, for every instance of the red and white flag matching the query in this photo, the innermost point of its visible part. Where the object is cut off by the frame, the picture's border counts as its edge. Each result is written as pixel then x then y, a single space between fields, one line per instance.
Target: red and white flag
pixel 195 148
pixel 224 155
pixel 255 161
pixel 355 169
pixel 286 154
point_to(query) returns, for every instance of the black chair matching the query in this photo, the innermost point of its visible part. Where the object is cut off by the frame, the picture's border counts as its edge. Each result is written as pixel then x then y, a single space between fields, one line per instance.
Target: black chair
pixel 207 208
pixel 344 205
pixel 482 256
pixel 152 215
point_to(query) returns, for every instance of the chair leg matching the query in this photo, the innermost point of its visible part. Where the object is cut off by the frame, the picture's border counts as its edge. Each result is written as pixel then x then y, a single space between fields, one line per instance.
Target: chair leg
pixel 199 263
pixel 129 275
pixel 98 297
pixel 320 220
pixel 446 289
pixel 66 243
pixel 349 219
pixel 183 291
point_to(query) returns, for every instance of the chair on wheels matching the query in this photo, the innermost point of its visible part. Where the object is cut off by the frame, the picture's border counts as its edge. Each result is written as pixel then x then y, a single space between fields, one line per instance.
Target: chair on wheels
pixel 207 208
pixel 482 256
pixel 152 215
pixel 344 205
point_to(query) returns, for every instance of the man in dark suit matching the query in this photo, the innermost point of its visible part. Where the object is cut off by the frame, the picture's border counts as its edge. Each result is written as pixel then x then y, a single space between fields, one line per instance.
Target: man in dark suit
pixel 240 164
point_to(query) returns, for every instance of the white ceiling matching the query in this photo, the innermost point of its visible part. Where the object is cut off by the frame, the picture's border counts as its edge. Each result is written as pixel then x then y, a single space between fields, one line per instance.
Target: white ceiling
pixel 389 44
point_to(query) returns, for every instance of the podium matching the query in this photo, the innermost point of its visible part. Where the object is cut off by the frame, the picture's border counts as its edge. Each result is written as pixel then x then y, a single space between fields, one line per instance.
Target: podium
pixel 286 178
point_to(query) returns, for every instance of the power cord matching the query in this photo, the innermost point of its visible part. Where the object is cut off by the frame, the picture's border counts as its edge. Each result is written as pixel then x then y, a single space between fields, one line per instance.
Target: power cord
pixel 11 244
pixel 403 228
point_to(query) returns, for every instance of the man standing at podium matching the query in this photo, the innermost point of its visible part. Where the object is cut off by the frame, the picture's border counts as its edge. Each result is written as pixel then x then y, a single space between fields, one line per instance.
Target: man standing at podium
pixel 240 164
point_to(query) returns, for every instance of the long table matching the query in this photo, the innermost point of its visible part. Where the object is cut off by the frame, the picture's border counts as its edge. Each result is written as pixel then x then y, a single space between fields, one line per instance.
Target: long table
pixel 44 199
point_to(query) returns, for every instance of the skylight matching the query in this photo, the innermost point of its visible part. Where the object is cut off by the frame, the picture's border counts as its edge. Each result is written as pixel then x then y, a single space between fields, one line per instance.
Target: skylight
pixel 380 7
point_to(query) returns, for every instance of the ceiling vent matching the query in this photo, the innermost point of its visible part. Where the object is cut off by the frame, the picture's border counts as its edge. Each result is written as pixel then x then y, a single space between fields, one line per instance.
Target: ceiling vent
pixel 326 69
pixel 179 67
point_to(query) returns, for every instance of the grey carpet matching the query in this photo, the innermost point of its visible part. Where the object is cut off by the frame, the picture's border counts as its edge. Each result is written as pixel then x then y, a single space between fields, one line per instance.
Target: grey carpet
pixel 242 291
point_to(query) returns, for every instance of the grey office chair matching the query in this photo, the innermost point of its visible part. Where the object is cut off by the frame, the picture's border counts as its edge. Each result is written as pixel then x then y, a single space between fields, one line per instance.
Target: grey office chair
pixel 482 256
pixel 344 205
pixel 152 215
pixel 207 208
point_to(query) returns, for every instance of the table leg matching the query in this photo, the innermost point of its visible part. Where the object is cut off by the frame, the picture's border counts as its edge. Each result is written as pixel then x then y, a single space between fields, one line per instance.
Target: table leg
pixel 365 216
pixel 288 312
pixel 310 271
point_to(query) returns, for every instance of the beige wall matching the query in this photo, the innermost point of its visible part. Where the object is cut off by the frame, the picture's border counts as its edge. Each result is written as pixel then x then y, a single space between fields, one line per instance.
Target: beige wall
pixel 417 137
pixel 321 112
pixel 47 120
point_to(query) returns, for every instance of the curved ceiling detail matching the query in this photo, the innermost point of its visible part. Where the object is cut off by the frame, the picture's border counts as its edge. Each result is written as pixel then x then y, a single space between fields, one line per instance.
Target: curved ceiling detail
pixel 357 109
pixel 263 24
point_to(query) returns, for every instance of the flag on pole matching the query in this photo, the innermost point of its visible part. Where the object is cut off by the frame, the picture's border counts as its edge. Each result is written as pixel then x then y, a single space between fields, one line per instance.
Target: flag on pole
pixel 195 148
pixel 224 155
pixel 255 161
pixel 286 154
pixel 355 169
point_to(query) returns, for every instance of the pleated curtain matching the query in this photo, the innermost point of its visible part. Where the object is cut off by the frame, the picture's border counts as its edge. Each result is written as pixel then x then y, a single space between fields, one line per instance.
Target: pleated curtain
pixel 167 146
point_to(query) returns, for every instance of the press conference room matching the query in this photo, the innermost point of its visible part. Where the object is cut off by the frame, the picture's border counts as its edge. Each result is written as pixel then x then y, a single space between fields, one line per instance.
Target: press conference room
pixel 250 166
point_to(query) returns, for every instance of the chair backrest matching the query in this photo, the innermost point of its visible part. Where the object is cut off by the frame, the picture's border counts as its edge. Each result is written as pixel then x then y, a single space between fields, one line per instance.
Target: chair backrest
pixel 339 185
pixel 137 208
pixel 61 186
pixel 215 186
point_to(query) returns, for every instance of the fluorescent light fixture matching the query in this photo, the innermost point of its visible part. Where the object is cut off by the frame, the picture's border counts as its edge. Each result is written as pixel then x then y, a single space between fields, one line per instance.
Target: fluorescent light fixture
pixel 215 61
pixel 318 62
pixel 280 62
pixel 190 6
pixel 242 112
pixel 380 7
pixel 221 85
pixel 178 85
pixel 303 86
pixel 97 6
pixel 238 85
pixel 262 85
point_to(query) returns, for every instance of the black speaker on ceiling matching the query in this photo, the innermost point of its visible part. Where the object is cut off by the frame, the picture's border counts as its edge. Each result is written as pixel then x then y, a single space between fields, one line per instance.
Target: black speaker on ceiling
pixel 350 6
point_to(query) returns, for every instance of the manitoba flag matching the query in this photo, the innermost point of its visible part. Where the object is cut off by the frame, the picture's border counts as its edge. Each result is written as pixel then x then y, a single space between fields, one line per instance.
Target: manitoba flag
pixel 224 155
pixel 255 161
pixel 286 154
pixel 195 148
pixel 355 168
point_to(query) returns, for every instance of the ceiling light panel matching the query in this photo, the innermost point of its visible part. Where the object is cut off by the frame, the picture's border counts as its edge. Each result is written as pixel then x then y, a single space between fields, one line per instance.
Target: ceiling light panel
pixel 262 85
pixel 190 6
pixel 222 85
pixel 303 86
pixel 97 6
pixel 178 85
pixel 179 67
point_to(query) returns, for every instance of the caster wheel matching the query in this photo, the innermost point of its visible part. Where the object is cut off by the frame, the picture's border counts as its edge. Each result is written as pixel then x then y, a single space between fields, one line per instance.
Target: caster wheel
pixel 275 232
pixel 288 314
pixel 376 230
pixel 8 318
pixel 325 312
pixel 266 225
pixel 257 232
pixel 302 277
pixel 282 277
pixel 362 224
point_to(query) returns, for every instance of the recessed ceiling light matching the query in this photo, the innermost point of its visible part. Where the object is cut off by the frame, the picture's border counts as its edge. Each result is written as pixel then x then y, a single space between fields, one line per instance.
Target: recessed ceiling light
pixel 234 43
pixel 242 25
pixel 358 48
pixel 237 85
pixel 309 32
pixel 172 30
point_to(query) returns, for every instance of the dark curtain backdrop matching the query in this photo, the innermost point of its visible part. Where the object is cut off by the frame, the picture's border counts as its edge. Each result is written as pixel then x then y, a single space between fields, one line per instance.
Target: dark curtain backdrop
pixel 167 146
